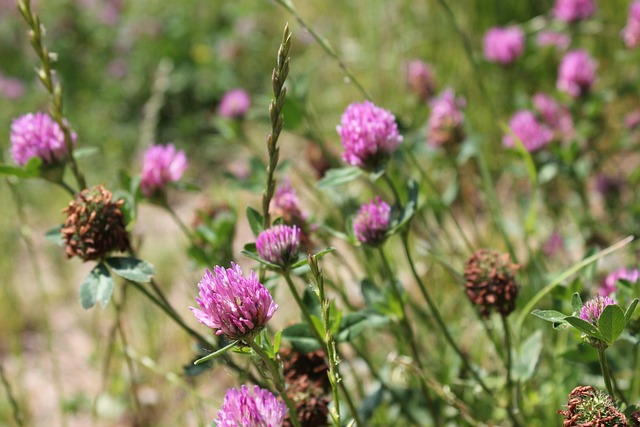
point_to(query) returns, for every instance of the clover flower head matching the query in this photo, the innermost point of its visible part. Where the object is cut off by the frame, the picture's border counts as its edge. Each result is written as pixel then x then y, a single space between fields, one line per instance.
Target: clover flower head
pixel 234 104
pixel 161 165
pixel 420 79
pixel 369 135
pixel 279 244
pixel 533 134
pixel 554 115
pixel 577 73
pixel 573 10
pixel 245 408
pixel 372 222
pixel 503 44
pixel 38 135
pixel 553 38
pixel 235 306
pixel 631 33
pixel 445 125
pixel 609 283
pixel 592 309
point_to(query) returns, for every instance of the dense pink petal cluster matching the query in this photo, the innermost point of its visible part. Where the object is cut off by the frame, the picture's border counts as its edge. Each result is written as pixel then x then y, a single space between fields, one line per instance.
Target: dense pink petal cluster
pixel 573 10
pixel 503 44
pixel 247 409
pixel 372 222
pixel 592 309
pixel 37 135
pixel 279 244
pixel 234 104
pixel 577 73
pixel 235 306
pixel 10 87
pixel 553 245
pixel 632 120
pixel 420 79
pixel 161 165
pixel 553 38
pixel 445 125
pixel 631 33
pixel 554 115
pixel 369 135
pixel 609 283
pixel 533 134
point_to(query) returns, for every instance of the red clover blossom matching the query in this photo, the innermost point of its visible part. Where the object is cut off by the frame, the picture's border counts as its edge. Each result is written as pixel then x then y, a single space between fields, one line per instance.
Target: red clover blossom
pixel 533 134
pixel 592 309
pixel 503 45
pixel 279 244
pixel 420 79
pixel 631 33
pixel 37 135
pixel 573 10
pixel 247 409
pixel 372 222
pixel 446 119
pixel 577 73
pixel 162 164
pixel 234 104
pixel 609 283
pixel 369 135
pixel 235 306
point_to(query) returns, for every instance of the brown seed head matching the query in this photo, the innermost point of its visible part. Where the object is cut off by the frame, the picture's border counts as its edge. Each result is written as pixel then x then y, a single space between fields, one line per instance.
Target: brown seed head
pixel 590 407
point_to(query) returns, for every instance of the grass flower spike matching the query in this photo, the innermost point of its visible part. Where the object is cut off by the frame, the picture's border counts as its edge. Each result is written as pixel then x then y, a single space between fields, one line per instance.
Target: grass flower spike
pixel 162 164
pixel 235 306
pixel 245 408
pixel 279 244
pixel 37 135
pixel 372 222
pixel 369 135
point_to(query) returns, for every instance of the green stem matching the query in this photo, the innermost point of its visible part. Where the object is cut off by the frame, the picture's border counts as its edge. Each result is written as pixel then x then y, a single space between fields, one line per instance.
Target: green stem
pixel 436 314
pixel 12 401
pixel 278 381
pixel 307 317
pixel 396 195
pixel 67 187
pixel 408 331
pixel 602 358
pixel 185 230
pixel 324 44
pixel 635 381
pixel 510 385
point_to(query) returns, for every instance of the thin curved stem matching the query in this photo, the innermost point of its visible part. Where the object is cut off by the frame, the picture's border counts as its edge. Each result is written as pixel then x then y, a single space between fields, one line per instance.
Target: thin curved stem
pixel 604 367
pixel 185 230
pixel 278 381
pixel 510 385
pixel 17 416
pixel 436 314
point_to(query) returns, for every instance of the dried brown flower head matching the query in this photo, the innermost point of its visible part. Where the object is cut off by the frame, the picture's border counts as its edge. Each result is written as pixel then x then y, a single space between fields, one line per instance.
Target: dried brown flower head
pixel 94 225
pixel 590 407
pixel 308 386
pixel 491 282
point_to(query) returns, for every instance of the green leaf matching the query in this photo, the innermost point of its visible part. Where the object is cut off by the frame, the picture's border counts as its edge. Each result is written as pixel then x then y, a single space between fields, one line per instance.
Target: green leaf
pixel 611 323
pixel 54 235
pixel 354 323
pixel 255 221
pixel 192 370
pixel 371 294
pixel 576 302
pixel 630 310
pixel 339 176
pixel 18 172
pixel 550 315
pixel 293 113
pixel 216 353
pixel 133 269
pixel 584 327
pixel 301 338
pixel 527 356
pixel 96 287
pixel 254 256
pixel 276 342
pixel 409 209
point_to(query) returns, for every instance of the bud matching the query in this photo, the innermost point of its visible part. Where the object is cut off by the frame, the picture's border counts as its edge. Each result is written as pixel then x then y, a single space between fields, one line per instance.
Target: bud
pixel 95 225
pixel 491 282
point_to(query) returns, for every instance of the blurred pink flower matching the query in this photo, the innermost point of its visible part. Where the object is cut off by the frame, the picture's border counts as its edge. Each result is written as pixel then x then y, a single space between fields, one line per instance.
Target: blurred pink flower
pixel 234 104
pixel 553 245
pixel 161 165
pixel 577 73
pixel 632 120
pixel 445 125
pixel 420 79
pixel 503 44
pixel 529 131
pixel 609 283
pixel 257 408
pixel 11 88
pixel 631 33
pixel 553 38
pixel 593 308
pixel 573 10
pixel 372 222
pixel 554 115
